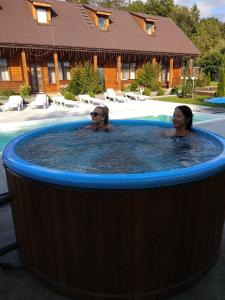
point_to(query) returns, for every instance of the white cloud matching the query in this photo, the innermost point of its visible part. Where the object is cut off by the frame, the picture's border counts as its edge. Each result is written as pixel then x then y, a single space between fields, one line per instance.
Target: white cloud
pixel 208 8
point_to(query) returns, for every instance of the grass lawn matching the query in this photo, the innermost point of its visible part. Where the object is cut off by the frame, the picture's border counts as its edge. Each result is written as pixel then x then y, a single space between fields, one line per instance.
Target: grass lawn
pixel 197 100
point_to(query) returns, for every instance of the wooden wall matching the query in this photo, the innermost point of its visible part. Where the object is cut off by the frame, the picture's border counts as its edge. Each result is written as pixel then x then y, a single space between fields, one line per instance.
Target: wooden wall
pixel 110 73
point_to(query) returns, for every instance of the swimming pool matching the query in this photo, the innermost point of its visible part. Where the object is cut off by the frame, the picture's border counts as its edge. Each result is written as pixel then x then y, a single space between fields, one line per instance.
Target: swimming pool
pixel 8 131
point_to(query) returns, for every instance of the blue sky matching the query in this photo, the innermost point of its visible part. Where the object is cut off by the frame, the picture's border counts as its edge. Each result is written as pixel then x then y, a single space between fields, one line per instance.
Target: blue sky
pixel 208 8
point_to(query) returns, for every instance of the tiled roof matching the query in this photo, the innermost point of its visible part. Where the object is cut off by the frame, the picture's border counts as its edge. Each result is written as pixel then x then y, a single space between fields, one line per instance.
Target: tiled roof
pixel 69 28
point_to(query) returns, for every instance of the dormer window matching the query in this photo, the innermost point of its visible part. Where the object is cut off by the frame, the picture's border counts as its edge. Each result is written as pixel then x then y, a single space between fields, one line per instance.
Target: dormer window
pixel 41 11
pixel 42 15
pixel 148 28
pixel 100 17
pixel 147 23
pixel 102 22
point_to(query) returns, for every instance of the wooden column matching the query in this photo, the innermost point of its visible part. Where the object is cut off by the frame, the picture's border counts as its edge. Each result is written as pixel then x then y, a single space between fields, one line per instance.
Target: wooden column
pixel 55 57
pixel 154 61
pixel 95 62
pixel 24 67
pixel 191 67
pixel 171 73
pixel 119 72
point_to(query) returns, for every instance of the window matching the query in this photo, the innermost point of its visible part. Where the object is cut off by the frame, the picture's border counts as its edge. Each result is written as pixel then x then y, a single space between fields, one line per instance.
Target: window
pixel 51 72
pixel 64 70
pixel 128 71
pixel 102 22
pixel 148 28
pixel 4 74
pixel 42 15
pixel 165 75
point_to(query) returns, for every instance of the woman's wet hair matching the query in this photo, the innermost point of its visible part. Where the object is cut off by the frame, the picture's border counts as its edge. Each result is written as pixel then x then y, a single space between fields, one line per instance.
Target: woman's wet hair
pixel 187 112
pixel 105 112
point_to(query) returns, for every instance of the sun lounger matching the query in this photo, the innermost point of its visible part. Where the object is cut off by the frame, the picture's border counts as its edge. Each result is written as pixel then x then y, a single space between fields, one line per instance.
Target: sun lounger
pixel 60 100
pixel 40 100
pixel 110 95
pixel 85 98
pixel 14 101
pixel 136 96
pixel 69 103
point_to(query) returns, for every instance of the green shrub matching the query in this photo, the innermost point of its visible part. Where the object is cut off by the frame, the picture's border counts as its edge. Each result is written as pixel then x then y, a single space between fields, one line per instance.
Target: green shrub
pixel 161 92
pixel 134 86
pixel 91 94
pixel 147 92
pixel 187 89
pixel 126 89
pixel 7 92
pixel 221 85
pixel 175 90
pixel 69 96
pixel 148 76
pixel 203 81
pixel 25 90
pixel 85 80
pixel 63 89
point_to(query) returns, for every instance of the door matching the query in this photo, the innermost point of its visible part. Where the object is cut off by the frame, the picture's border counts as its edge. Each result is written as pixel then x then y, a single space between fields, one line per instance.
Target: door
pixel 36 78
pixel 110 73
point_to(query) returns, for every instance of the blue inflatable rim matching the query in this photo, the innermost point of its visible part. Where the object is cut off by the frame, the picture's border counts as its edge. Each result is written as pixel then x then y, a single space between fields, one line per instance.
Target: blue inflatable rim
pixel 112 181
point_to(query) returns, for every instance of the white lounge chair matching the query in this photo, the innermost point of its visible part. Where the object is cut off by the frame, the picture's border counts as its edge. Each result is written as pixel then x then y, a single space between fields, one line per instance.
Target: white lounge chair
pixel 90 100
pixel 110 95
pixel 58 100
pixel 63 102
pixel 135 96
pixel 69 103
pixel 14 101
pixel 40 100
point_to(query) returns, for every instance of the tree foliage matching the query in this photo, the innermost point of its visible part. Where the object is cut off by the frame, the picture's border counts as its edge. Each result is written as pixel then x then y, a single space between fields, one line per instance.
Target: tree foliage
pixel 160 7
pixel 187 19
pixel 221 85
pixel 208 34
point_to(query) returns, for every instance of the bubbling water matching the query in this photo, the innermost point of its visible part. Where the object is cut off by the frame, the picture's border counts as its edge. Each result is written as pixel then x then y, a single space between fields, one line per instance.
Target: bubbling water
pixel 125 149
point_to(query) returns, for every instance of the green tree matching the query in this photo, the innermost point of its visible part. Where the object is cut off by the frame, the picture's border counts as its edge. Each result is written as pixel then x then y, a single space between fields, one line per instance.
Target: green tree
pixel 208 34
pixel 221 85
pixel 80 1
pixel 211 62
pixel 117 4
pixel 195 13
pixel 187 19
pixel 136 6
pixel 163 8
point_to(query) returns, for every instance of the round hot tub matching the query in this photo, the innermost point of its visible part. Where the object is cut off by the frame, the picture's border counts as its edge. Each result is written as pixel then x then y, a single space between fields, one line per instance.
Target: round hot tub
pixel 133 235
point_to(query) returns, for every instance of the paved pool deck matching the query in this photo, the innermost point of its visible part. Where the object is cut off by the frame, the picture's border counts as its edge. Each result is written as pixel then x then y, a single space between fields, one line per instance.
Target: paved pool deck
pixel 18 284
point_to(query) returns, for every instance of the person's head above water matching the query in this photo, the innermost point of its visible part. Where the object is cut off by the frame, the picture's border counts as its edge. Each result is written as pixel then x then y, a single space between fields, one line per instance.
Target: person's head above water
pixel 100 117
pixel 182 120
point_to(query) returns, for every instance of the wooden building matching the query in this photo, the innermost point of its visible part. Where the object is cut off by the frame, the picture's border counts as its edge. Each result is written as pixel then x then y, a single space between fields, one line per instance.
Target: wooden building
pixel 40 40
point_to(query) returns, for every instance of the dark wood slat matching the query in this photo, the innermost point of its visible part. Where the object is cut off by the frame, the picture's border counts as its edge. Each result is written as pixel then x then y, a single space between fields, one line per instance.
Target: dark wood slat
pixel 118 243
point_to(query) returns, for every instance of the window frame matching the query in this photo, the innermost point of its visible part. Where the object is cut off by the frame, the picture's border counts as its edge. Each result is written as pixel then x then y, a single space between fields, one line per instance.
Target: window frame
pixel 130 70
pixel 99 18
pixel 43 9
pixel 4 69
pixel 51 67
pixel 64 70
pixel 150 28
